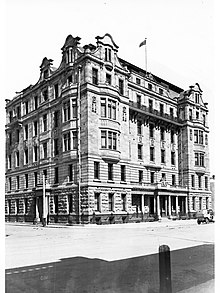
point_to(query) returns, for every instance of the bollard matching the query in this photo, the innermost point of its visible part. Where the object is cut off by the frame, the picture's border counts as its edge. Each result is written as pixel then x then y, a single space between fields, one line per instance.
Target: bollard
pixel 165 269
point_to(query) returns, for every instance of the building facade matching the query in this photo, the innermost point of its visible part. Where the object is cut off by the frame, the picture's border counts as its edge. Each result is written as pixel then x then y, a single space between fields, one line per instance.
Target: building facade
pixel 99 140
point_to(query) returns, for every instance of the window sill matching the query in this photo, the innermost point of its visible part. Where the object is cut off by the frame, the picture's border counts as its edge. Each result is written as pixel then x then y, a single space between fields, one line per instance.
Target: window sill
pixel 110 181
pixel 96 180
pixel 123 182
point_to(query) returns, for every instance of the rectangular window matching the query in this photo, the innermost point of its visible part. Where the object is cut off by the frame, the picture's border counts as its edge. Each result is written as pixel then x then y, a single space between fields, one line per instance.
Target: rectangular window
pixel 103 139
pixel 151 130
pixel 18 182
pixel 140 152
pixel 96 170
pixel 123 173
pixel 9 162
pixel 207 202
pixel 150 86
pixel 124 201
pixel 108 54
pixel 17 159
pixel 9 183
pixel 66 142
pixel 196 159
pixel 172 136
pixel 206 139
pixel 35 128
pixel 199 181
pixel 172 158
pixel 152 154
pixel 171 112
pixel 56 175
pixel 197 115
pixel 196 136
pixel 26 132
pixel 140 179
pixel 26 107
pixel 95 76
pixel 112 140
pixel 139 127
pixel 190 114
pixel 97 202
pixel 193 180
pixel 111 109
pixel 70 79
pixel 35 179
pixel 9 207
pixel 111 202
pixel 25 205
pixel 200 203
pixel 70 172
pixel 103 107
pixel 160 91
pixel 45 150
pixel 201 160
pixel 56 148
pixel 70 203
pixel 45 95
pixel 108 78
pixel 163 156
pixel 161 109
pixel 206 182
pixel 44 122
pixel 17 206
pixel 26 180
pixel 162 133
pixel 194 203
pixel 74 109
pixel 138 81
pixel 35 102
pixel 204 120
pixel 66 111
pixel 26 156
pixel 197 98
pixel 56 204
pixel 56 91
pixel 45 174
pixel 138 101
pixel 121 87
pixel 173 180
pixel 150 105
pixel 10 116
pixel 35 150
pixel 200 136
pixel 110 171
pixel 75 141
pixel 56 118
pixel 152 177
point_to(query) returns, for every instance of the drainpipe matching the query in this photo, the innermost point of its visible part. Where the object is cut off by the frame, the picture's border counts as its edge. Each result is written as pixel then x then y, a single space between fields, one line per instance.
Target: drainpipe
pixel 79 143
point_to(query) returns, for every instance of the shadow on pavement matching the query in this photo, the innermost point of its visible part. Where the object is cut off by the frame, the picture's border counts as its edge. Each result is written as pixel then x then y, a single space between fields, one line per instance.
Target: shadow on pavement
pixel 189 267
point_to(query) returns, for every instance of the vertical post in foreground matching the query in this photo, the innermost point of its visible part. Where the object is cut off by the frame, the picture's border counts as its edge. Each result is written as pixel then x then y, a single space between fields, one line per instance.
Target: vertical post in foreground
pixel 44 202
pixel 165 269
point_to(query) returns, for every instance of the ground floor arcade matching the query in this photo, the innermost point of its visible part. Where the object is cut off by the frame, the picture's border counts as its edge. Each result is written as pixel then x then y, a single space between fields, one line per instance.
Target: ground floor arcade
pixel 102 205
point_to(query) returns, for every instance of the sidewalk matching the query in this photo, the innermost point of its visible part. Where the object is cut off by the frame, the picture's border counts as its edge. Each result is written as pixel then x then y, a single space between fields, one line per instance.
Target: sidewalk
pixel 208 287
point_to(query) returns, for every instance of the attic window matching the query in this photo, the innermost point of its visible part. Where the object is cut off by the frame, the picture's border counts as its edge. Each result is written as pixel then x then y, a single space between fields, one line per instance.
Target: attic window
pixel 108 54
pixel 149 86
pixel 69 55
pixel 197 98
pixel 161 91
pixel 46 73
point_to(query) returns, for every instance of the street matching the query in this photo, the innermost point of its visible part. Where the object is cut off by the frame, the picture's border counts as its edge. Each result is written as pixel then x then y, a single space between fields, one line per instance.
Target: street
pixel 111 258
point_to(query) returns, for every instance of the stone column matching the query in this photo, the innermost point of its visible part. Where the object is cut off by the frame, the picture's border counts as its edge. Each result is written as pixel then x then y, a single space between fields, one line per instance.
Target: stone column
pixel 142 203
pixel 186 205
pixel 158 205
pixel 169 203
pixel 166 205
pixel 177 206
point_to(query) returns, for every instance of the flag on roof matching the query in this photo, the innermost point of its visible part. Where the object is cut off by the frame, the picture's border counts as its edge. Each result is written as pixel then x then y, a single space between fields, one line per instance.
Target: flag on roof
pixel 142 43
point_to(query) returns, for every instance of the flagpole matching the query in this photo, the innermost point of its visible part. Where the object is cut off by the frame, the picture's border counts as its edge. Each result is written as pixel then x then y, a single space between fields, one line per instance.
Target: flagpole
pixel 146 54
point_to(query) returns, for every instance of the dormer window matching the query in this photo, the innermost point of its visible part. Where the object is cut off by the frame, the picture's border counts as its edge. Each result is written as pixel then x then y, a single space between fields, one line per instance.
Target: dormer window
pixel 45 95
pixel 69 55
pixel 161 91
pixel 197 98
pixel 46 73
pixel 108 53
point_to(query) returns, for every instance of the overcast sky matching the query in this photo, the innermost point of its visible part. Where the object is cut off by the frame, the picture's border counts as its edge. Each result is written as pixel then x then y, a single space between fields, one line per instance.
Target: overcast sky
pixel 180 38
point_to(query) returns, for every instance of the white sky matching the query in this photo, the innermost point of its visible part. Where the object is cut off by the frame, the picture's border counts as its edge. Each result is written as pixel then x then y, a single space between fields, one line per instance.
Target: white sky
pixel 180 38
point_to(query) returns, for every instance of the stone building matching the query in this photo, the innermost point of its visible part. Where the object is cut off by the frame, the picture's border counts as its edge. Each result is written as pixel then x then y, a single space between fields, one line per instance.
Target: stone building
pixel 113 143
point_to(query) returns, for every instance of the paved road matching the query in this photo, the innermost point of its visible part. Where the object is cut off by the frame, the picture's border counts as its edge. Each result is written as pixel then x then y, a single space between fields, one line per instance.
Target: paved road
pixel 114 258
